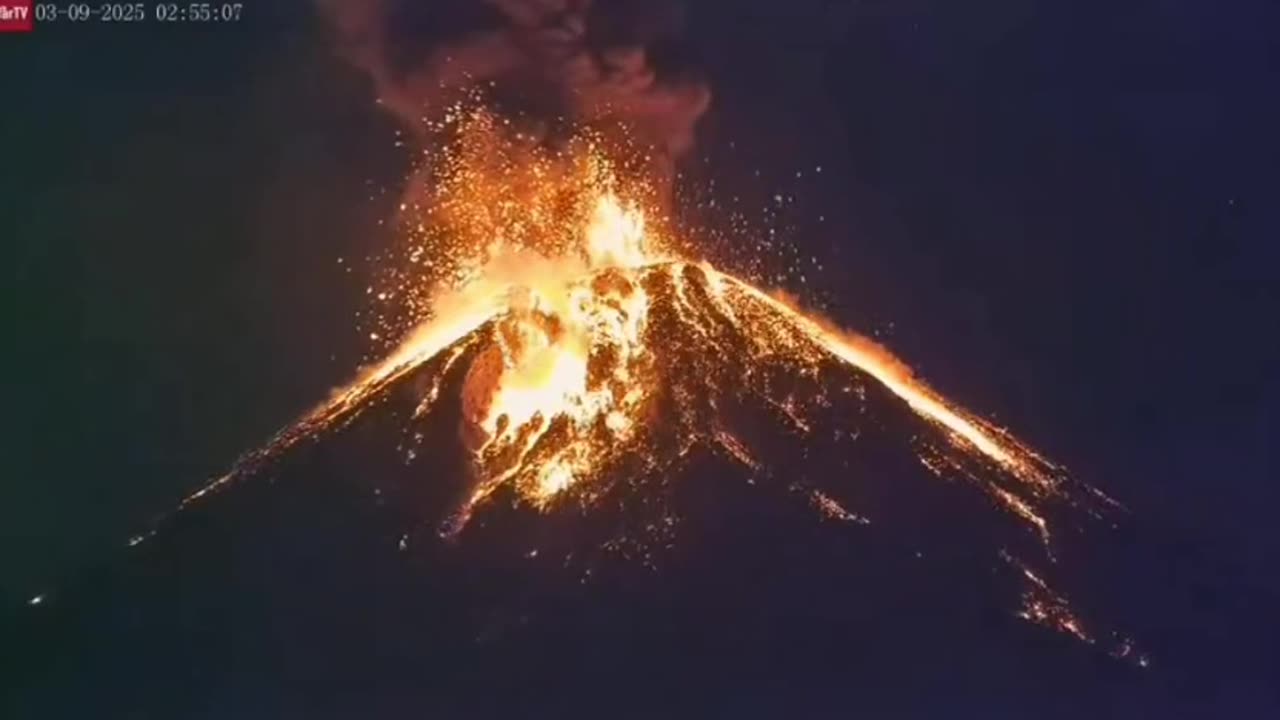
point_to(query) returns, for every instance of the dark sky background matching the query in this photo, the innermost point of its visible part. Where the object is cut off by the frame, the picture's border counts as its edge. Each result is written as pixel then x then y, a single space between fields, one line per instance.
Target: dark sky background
pixel 1063 214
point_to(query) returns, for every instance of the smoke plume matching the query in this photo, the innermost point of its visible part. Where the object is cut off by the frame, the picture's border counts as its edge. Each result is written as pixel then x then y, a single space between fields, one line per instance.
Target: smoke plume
pixel 557 62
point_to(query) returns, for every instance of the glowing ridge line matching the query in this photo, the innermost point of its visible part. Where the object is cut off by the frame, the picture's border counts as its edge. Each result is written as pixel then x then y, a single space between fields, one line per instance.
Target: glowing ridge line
pixel 919 400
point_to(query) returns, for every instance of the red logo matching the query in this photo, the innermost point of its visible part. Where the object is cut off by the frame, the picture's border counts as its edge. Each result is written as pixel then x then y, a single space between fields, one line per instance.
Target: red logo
pixel 16 16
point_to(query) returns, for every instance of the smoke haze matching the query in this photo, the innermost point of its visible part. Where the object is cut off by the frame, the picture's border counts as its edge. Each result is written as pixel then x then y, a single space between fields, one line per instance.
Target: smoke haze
pixel 552 61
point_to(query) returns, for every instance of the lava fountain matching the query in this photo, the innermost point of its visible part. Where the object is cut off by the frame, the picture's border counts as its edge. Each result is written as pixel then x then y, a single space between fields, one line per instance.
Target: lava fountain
pixel 589 331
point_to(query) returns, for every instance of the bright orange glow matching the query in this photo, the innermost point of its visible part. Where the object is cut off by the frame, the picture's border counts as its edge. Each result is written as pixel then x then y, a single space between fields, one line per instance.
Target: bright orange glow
pixel 550 277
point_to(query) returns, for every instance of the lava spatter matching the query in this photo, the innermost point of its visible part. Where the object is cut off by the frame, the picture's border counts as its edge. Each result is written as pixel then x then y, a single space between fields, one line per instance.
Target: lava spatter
pixel 595 345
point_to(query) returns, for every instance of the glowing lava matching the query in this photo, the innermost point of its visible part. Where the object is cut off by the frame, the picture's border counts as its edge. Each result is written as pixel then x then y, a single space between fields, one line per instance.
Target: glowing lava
pixel 588 337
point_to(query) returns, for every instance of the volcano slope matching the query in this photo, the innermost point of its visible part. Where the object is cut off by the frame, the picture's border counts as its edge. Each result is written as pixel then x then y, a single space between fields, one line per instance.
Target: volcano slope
pixel 769 531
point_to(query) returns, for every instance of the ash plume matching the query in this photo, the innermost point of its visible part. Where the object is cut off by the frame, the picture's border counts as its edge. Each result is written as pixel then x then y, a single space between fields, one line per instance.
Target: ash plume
pixel 554 62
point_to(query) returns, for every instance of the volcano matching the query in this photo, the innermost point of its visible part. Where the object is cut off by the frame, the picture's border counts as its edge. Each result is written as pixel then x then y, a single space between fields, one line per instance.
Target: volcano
pixel 602 476
pixel 778 532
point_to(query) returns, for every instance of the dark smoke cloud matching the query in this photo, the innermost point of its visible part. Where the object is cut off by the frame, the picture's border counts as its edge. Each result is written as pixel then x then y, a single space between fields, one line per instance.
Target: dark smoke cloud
pixel 576 61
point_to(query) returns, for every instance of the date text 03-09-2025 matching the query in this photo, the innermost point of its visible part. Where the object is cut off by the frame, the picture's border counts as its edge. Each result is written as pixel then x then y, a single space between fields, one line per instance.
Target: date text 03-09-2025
pixel 202 12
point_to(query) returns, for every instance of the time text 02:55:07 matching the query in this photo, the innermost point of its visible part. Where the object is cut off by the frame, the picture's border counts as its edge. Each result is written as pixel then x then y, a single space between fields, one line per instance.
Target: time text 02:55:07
pixel 139 12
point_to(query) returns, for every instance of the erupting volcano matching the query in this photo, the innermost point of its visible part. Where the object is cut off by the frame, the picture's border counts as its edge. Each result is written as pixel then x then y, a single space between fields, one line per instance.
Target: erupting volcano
pixel 643 359
pixel 585 358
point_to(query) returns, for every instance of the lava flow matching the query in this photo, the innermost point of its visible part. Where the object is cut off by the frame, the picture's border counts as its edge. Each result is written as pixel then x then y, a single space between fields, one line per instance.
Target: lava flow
pixel 592 341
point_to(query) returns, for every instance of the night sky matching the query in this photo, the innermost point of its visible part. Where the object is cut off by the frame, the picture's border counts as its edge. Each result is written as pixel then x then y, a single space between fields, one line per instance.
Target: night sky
pixel 1062 214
